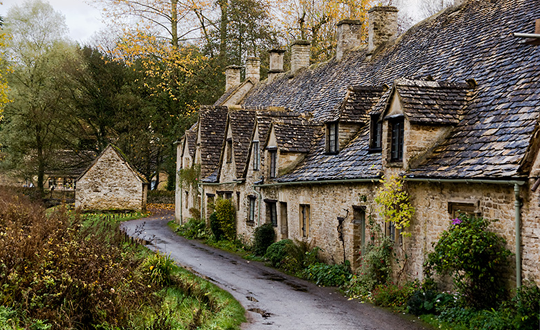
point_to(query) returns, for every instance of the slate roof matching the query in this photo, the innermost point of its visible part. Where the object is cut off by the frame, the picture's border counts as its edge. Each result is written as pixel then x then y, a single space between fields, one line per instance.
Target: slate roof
pixel 352 162
pixel 212 121
pixel 295 136
pixel 191 138
pixel 359 103
pixel 432 102
pixel 474 40
pixel 69 162
pixel 241 123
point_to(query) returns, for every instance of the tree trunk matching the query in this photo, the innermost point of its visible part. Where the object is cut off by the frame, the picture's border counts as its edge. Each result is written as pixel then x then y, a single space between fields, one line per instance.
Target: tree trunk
pixel 223 5
pixel 41 162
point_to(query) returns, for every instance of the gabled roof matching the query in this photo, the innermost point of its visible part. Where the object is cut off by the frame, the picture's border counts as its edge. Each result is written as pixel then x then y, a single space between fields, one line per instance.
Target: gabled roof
pixel 433 102
pixel 359 103
pixel 241 123
pixel 122 157
pixel 191 139
pixel 474 40
pixel 295 136
pixel 212 122
pixel 70 162
pixel 236 94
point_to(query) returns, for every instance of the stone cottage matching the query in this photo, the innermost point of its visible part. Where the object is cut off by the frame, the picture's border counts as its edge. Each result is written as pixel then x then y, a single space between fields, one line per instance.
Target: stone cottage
pixel 452 105
pixel 111 183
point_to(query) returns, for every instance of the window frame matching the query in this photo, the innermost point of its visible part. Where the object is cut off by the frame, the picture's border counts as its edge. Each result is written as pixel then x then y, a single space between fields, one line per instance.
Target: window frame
pixel 271 212
pixel 252 206
pixel 375 134
pixel 229 150
pixel 397 134
pixel 305 219
pixel 273 163
pixel 256 155
pixel 332 137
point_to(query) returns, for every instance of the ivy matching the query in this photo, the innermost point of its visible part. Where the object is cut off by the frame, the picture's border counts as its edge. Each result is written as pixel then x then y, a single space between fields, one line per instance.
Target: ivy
pixel 393 203
pixel 189 176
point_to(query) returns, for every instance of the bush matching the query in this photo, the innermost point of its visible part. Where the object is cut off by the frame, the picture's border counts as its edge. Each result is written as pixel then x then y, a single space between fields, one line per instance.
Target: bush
pixel 226 218
pixel 215 227
pixel 427 301
pixel 193 229
pixel 276 252
pixel 264 237
pixel 475 258
pixel 393 295
pixel 328 275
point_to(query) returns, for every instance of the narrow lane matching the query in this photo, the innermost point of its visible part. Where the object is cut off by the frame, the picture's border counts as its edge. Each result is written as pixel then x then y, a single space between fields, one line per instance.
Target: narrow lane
pixel 273 300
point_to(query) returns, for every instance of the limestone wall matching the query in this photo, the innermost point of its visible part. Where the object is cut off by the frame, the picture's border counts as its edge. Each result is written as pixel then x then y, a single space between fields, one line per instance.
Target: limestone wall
pixel 110 184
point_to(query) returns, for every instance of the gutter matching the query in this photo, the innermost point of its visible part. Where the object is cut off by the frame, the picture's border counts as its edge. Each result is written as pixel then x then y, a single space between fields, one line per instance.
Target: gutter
pixel 517 206
pixel 296 183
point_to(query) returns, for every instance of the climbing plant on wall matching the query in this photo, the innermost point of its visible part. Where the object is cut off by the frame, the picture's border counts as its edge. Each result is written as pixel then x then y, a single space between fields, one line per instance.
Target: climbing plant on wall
pixel 393 203
pixel 189 176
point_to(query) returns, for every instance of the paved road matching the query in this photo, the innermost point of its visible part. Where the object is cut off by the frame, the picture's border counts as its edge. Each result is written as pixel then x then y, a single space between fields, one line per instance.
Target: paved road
pixel 273 300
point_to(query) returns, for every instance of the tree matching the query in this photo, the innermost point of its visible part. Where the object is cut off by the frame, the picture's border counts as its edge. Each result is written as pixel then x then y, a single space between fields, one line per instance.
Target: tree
pixel 32 122
pixel 432 7
pixel 316 21
pixel 4 69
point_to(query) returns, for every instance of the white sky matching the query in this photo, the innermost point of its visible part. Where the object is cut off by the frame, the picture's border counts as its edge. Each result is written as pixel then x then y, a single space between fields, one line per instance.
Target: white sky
pixel 82 19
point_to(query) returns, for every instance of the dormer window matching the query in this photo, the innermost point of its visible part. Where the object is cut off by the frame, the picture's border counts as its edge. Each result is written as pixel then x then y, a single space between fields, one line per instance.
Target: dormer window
pixel 256 156
pixel 229 150
pixel 396 139
pixel 332 138
pixel 273 162
pixel 375 141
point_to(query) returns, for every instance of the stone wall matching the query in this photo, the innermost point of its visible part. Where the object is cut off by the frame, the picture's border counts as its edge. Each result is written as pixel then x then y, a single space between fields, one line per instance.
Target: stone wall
pixel 110 184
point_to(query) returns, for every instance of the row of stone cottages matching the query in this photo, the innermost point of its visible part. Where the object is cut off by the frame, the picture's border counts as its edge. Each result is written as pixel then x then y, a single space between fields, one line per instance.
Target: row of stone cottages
pixel 452 104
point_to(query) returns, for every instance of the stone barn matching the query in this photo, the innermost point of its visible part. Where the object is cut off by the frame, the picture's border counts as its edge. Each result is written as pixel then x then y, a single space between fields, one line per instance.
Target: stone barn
pixel 111 183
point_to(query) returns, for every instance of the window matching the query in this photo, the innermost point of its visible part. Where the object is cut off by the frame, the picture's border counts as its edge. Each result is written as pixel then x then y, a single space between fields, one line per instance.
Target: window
pixel 455 209
pixel 271 211
pixel 375 144
pixel 256 156
pixel 273 163
pixel 332 138
pixel 229 150
pixel 304 219
pixel 238 200
pixel 251 216
pixel 396 141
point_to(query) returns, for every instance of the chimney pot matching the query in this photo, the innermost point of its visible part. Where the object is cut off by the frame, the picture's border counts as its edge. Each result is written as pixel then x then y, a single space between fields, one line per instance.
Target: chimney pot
pixel 382 25
pixel 232 76
pixel 300 55
pixel 349 36
pixel 253 69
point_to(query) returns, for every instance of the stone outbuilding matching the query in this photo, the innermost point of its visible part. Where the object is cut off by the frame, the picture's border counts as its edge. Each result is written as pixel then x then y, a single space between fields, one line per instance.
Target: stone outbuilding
pixel 111 183
pixel 452 106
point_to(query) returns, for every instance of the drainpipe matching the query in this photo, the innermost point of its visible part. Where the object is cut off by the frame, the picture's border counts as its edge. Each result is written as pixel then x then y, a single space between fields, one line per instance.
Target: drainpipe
pixel 259 202
pixel 518 235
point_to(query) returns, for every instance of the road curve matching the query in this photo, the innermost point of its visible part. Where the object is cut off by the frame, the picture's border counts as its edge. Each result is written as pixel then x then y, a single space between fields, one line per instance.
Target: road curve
pixel 273 300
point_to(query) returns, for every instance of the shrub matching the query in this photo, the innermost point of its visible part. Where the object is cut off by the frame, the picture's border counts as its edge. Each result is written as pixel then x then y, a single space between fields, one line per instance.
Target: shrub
pixel 226 218
pixel 328 275
pixel 393 295
pixel 276 252
pixel 291 256
pixel 264 237
pixel 474 257
pixel 427 301
pixel 193 229
pixel 215 227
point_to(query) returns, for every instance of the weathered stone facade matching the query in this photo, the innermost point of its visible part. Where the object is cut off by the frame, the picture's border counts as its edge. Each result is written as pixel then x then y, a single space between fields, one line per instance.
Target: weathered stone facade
pixel 111 183
pixel 451 111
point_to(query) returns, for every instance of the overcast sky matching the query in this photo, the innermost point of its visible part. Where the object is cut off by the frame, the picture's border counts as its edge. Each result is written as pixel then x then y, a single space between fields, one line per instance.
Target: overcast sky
pixel 84 20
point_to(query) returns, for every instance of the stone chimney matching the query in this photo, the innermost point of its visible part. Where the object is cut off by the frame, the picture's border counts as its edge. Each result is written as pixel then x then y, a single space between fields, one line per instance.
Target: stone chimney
pixel 253 69
pixel 276 63
pixel 232 76
pixel 299 55
pixel 349 35
pixel 382 25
